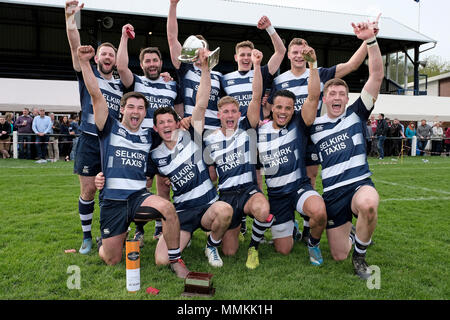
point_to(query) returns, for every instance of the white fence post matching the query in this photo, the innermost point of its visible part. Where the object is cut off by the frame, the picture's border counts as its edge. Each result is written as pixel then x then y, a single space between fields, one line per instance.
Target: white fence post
pixel 413 146
pixel 15 155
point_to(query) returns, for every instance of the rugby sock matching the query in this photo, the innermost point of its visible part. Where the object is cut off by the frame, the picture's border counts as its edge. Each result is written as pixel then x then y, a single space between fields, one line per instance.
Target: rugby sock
pixel 306 225
pixel 213 243
pixel 361 247
pixel 313 242
pixel 258 230
pixel 86 209
pixel 174 255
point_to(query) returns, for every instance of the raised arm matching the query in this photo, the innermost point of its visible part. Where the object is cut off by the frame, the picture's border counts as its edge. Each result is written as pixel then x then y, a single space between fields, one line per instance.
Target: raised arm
pixel 73 35
pixel 280 50
pixel 358 57
pixel 85 53
pixel 204 90
pixel 376 74
pixel 172 34
pixel 126 76
pixel 309 108
pixel 255 104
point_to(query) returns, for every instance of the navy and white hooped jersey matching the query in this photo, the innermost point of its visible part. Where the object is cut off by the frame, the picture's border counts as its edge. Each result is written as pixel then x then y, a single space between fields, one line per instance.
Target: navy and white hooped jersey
pixel 159 93
pixel 124 159
pixel 282 152
pixel 341 146
pixel 238 85
pixel 234 157
pixel 186 169
pixel 299 85
pixel 189 76
pixel 112 90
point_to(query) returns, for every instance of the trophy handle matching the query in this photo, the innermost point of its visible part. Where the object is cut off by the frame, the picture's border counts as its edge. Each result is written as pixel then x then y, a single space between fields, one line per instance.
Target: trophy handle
pixel 205 45
pixel 213 58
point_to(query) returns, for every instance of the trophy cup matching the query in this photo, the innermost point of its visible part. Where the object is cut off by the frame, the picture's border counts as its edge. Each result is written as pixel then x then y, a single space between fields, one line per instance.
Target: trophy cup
pixel 190 49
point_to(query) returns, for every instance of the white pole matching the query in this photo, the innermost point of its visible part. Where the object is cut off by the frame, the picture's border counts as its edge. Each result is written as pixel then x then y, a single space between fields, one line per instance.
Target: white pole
pixel 413 146
pixel 15 156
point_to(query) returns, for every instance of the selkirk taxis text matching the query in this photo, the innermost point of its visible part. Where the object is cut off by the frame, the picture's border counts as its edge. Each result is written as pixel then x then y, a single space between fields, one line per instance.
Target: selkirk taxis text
pixel 226 309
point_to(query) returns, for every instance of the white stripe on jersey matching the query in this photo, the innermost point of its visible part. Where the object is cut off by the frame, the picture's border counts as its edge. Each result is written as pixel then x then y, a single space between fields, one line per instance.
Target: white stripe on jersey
pixel 125 184
pixel 90 118
pixel 121 142
pixel 147 123
pixel 239 88
pixel 183 157
pixel 195 193
pixel 210 202
pixel 346 123
pixel 283 180
pixel 337 169
pixel 347 182
pixel 358 139
pixel 218 137
pixel 244 178
pixel 265 146
pixel 106 85
pixel 192 76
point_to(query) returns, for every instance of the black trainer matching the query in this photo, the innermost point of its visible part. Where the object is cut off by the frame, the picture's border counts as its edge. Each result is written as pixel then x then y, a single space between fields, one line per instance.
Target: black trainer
pixel 360 266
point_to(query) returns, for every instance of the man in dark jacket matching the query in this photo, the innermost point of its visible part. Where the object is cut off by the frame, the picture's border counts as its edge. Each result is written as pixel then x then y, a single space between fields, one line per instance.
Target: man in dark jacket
pixel 381 132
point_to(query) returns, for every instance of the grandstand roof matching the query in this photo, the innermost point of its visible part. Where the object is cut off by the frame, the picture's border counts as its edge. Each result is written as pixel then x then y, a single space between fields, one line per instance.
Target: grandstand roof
pixel 244 13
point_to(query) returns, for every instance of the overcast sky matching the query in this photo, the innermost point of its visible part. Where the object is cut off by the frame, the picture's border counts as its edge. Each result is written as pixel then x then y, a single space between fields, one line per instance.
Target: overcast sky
pixel 434 16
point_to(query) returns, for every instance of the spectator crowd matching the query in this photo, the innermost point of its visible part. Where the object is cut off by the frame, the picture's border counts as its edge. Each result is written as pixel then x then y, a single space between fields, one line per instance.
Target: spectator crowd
pixel 40 136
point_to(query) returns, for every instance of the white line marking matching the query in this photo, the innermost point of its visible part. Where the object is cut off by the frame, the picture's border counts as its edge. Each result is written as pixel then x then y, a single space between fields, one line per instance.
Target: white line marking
pixel 416 199
pixel 412 187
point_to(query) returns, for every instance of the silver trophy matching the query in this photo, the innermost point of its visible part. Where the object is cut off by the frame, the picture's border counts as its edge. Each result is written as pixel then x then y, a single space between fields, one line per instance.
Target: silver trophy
pixel 190 52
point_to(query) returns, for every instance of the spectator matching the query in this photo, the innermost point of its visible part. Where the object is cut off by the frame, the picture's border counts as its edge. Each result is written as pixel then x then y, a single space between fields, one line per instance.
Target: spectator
pixel 447 141
pixel 423 134
pixel 381 132
pixel 74 131
pixel 34 114
pixel 5 131
pixel 23 125
pixel 396 133
pixel 410 133
pixel 65 138
pixel 437 134
pixel 9 119
pixel 53 147
pixel 42 126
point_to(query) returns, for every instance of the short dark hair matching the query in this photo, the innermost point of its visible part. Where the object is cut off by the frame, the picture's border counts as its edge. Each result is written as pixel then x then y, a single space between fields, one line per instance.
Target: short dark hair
pixel 334 82
pixel 154 50
pixel 133 94
pixel 164 110
pixel 284 93
pixel 106 44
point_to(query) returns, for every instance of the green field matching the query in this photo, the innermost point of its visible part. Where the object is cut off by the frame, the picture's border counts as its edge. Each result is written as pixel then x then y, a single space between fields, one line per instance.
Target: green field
pixel 39 220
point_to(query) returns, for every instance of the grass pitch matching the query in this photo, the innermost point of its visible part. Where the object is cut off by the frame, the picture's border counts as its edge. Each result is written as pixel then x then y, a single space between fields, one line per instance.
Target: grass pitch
pixel 39 220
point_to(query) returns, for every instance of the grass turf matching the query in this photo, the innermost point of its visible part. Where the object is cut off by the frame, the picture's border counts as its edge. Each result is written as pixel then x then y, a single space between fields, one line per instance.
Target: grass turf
pixel 39 215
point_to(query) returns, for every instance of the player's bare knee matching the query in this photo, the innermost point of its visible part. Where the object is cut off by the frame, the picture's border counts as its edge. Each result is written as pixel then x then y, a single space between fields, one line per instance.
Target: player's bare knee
pixel 369 209
pixel 339 255
pixel 224 212
pixel 112 260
